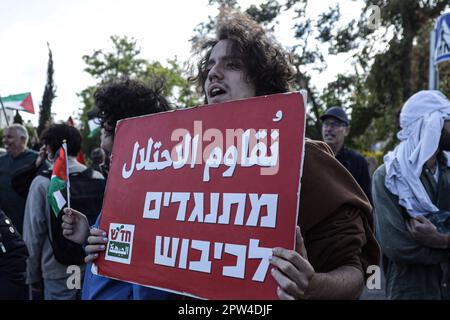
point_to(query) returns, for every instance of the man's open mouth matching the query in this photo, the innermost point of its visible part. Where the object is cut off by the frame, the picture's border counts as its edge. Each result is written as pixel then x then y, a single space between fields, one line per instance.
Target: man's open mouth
pixel 216 91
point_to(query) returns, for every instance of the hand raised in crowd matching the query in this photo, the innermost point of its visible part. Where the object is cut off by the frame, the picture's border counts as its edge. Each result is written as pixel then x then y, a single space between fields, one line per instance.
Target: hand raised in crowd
pixel 293 272
pixel 42 156
pixel 75 226
pixel 426 233
pixel 96 243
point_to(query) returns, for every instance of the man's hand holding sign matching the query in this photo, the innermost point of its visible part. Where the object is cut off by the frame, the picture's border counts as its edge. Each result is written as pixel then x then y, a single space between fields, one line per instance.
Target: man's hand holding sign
pixel 197 199
pixel 294 272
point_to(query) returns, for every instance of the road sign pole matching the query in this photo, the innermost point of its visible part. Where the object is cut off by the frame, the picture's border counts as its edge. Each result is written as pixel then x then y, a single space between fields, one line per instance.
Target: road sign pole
pixel 432 69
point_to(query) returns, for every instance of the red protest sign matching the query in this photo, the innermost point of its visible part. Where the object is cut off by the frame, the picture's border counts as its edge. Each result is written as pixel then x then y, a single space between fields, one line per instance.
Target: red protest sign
pixel 196 199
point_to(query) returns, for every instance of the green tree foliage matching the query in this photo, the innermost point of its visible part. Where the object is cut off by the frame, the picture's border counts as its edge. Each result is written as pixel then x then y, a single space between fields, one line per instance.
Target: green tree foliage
pixel 304 55
pixel 386 65
pixel 400 70
pixel 123 60
pixel 307 55
pixel 45 108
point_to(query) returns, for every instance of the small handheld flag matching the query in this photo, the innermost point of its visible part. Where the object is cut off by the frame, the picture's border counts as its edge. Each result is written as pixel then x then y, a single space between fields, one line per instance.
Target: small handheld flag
pixel 80 157
pixel 59 181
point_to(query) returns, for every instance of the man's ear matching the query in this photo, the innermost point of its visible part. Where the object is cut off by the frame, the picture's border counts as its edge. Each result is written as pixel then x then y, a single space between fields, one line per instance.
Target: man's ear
pixel 347 131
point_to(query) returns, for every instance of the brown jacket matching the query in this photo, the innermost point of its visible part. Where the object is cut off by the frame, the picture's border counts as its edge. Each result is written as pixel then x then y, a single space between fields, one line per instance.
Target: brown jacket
pixel 335 215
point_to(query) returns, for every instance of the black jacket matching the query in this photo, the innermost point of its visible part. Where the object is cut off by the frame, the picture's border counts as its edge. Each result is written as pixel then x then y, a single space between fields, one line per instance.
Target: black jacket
pixel 357 165
pixel 13 257
pixel 22 179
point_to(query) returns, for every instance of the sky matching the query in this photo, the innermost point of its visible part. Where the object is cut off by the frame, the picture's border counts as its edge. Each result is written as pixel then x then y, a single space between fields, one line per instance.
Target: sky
pixel 74 28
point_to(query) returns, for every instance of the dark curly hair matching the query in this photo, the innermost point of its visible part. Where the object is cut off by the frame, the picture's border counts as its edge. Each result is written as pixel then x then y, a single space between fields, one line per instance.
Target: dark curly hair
pixel 127 98
pixel 267 64
pixel 55 134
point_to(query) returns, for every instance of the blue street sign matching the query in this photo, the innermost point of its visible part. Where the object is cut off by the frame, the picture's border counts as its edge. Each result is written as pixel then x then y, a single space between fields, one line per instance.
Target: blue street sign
pixel 442 39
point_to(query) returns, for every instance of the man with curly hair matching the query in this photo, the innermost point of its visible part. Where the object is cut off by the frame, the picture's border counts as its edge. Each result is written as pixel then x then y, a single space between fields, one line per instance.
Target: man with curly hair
pixel 125 99
pixel 339 244
pixel 338 241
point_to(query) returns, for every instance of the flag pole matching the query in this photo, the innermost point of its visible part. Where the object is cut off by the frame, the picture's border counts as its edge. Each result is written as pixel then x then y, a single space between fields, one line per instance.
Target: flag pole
pixel 67 172
pixel 4 112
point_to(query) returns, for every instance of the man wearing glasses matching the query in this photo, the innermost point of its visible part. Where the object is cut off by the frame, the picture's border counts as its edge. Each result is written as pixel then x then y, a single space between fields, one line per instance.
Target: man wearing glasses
pixel 335 129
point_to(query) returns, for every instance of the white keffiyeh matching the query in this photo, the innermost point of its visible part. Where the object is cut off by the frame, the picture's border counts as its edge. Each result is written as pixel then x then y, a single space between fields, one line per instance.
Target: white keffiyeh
pixel 421 121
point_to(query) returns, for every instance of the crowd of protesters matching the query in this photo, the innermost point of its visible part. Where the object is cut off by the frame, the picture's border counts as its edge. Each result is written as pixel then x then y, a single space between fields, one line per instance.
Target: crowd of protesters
pixel 399 219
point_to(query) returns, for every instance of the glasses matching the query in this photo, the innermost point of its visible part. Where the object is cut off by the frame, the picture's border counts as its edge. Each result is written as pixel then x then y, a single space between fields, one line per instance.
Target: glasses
pixel 334 124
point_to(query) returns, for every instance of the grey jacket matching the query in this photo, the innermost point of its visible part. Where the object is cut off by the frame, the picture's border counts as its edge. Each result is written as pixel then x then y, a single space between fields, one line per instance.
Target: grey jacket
pixel 412 271
pixel 41 263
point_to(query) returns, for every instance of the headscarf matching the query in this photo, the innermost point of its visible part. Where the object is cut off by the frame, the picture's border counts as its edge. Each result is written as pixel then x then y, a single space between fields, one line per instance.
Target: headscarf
pixel 421 120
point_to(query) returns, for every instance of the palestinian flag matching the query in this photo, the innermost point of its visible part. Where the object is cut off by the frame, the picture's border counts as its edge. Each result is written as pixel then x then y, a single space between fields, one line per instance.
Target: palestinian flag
pixel 80 157
pixel 59 181
pixel 94 127
pixel 93 122
pixel 70 122
pixel 21 102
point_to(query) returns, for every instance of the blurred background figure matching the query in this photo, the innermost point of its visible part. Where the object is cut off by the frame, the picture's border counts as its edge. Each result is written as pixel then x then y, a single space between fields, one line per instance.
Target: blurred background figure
pixel 335 128
pixel 372 164
pixel 98 157
pixel 15 140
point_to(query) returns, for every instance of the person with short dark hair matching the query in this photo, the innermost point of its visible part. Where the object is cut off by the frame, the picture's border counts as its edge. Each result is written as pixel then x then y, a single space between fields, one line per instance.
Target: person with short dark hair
pixel 98 157
pixel 335 128
pixel 42 266
pixel 51 137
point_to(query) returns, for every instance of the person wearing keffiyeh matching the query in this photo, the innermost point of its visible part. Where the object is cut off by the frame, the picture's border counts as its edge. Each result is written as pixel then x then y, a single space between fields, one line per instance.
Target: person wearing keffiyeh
pixel 411 193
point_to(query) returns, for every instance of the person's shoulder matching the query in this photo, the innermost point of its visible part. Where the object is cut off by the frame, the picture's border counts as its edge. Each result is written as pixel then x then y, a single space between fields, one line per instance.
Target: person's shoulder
pixel 379 174
pixel 40 182
pixel 354 154
pixel 28 156
pixel 96 174
pixel 4 157
pixel 88 172
pixel 31 153
pixel 316 146
pixel 42 178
